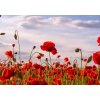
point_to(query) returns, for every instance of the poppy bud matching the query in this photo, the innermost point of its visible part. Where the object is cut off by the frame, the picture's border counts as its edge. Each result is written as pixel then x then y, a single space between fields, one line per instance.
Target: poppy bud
pixel 2 33
pixel 13 45
pixel 34 47
pixel 15 52
pixel 46 59
pixel 77 50
pixel 22 61
pixel 15 36
pixel 41 54
pixel 89 59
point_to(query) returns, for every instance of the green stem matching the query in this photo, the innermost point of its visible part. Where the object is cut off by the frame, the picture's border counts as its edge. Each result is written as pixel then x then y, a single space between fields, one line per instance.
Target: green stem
pixel 40 61
pixel 19 50
pixel 98 71
pixel 19 46
pixel 13 56
pixel 81 58
pixel 13 51
pixel 86 64
pixel 50 58
pixel 5 61
pixel 31 54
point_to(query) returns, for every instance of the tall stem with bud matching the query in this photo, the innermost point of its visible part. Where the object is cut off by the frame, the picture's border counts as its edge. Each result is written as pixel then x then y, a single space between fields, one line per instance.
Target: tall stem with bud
pixel 81 58
pixel 79 50
pixel 30 57
pixel 16 36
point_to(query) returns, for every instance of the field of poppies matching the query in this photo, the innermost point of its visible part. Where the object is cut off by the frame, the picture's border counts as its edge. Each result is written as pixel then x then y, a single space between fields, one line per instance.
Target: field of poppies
pixel 15 71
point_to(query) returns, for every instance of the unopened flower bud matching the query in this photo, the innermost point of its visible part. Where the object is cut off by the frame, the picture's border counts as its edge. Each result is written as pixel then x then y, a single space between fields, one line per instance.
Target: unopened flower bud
pixel 15 52
pixel 34 47
pixel 46 59
pixel 13 45
pixel 77 50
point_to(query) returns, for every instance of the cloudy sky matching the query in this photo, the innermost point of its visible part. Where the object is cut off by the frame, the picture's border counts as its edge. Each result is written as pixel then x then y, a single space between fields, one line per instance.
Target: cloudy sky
pixel 67 32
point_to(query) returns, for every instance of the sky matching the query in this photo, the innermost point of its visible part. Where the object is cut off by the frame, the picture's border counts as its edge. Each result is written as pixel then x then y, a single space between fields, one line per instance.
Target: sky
pixel 68 32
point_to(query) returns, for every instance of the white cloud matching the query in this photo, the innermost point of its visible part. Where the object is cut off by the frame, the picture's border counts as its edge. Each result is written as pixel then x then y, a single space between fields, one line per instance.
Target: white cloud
pixel 32 22
pixel 65 32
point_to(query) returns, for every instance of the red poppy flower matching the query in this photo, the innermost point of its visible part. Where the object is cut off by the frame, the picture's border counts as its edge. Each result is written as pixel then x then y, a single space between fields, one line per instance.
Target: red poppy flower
pixel 92 82
pixel 33 81
pixel 54 51
pixel 98 40
pixel 66 59
pixel 96 58
pixel 43 82
pixel 7 73
pixel 57 81
pixel 37 66
pixel 2 80
pixel 49 47
pixel 9 54
pixel 38 57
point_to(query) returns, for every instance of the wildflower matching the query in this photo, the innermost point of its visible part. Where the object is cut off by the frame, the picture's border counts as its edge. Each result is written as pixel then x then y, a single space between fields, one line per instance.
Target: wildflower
pixel 9 54
pixel 43 67
pixel 92 82
pixel 33 81
pixel 54 51
pixel 43 82
pixel 2 80
pixel 49 47
pixel 57 81
pixel 7 73
pixel 37 66
pixel 98 40
pixel 96 57
pixel 39 56
pixel 66 59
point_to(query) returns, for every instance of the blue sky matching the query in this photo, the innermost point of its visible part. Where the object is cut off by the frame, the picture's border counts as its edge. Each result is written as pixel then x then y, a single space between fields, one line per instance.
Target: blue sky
pixel 68 32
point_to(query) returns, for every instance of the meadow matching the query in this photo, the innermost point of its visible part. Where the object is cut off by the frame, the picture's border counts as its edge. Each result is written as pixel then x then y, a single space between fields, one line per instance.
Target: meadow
pixel 16 71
